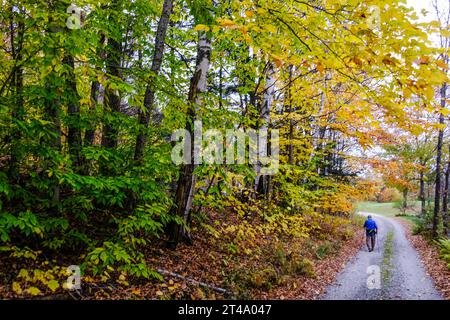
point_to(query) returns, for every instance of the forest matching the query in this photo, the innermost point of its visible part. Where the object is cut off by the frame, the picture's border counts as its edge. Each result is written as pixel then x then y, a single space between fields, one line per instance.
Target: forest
pixel 203 149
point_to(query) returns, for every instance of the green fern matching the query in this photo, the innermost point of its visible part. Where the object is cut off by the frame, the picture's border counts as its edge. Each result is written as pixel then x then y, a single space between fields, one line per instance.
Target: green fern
pixel 445 251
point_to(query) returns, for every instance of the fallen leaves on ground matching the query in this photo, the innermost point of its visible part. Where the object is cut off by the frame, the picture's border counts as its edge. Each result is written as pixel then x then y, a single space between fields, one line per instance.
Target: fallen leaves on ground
pixel 429 255
pixel 305 288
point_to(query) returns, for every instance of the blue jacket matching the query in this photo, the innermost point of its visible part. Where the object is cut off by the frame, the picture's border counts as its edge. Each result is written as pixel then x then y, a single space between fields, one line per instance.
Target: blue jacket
pixel 371 227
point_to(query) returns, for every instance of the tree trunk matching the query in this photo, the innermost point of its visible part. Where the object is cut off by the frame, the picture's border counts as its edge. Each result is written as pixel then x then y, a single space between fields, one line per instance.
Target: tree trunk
pixel 18 110
pixel 90 133
pixel 262 182
pixel 73 110
pixel 149 98
pixel 95 88
pixel 437 194
pixel 186 182
pixel 422 194
pixel 291 121
pixel 405 200
pixel 52 106
pixel 445 196
pixel 112 98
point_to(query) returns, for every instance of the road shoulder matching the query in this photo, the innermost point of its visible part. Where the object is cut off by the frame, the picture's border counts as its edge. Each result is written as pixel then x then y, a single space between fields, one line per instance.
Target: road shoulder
pixel 429 256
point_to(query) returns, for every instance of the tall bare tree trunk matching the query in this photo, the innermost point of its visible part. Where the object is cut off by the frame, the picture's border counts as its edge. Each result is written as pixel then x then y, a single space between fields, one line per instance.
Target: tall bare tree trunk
pixel 73 110
pixel 405 200
pixel 443 16
pixel 262 182
pixel 149 98
pixel 422 194
pixel 112 99
pixel 18 111
pixel 445 197
pixel 89 135
pixel 437 192
pixel 52 103
pixel 186 182
pixel 291 121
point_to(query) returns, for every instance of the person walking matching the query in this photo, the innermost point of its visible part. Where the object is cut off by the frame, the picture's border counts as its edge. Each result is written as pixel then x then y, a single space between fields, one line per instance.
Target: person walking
pixel 371 232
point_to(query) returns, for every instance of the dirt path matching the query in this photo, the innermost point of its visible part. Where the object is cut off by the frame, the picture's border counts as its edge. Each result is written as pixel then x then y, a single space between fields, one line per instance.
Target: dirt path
pixel 402 275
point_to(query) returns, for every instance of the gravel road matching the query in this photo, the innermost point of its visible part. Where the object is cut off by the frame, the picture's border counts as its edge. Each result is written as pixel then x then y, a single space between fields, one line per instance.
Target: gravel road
pixel 402 275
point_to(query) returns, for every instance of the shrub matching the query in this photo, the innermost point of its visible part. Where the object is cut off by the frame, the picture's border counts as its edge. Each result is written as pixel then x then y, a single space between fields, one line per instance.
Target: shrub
pixel 264 278
pixel 303 266
pixel 424 223
pixel 347 234
pixel 399 205
pixel 280 255
pixel 323 250
pixel 418 228
pixel 445 251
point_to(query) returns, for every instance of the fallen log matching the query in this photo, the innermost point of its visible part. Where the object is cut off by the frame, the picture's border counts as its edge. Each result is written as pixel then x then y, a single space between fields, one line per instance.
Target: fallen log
pixel 199 283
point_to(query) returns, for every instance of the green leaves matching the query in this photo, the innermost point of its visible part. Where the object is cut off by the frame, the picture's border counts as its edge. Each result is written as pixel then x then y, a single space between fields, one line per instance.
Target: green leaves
pixel 101 260
pixel 33 291
pixel 53 285
pixel 25 222
pixel 109 254
pixel 202 11
pixel 445 251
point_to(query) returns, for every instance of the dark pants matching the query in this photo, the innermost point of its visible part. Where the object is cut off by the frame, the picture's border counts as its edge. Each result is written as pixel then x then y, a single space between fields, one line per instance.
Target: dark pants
pixel 370 241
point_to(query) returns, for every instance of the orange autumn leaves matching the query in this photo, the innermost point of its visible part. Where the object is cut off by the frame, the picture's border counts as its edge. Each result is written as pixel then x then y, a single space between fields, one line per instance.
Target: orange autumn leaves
pixel 397 173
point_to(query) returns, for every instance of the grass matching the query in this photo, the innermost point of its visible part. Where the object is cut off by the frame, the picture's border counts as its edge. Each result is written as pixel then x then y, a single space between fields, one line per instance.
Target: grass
pixel 385 209
pixel 388 209
pixel 388 253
